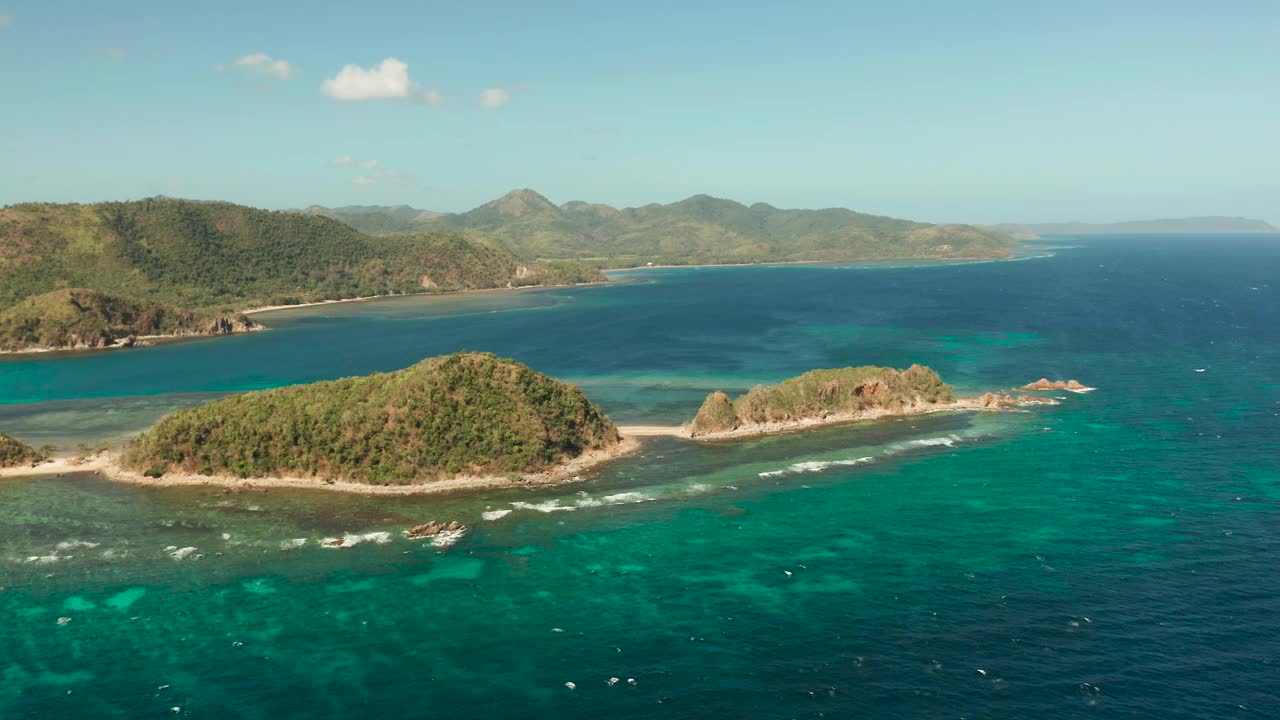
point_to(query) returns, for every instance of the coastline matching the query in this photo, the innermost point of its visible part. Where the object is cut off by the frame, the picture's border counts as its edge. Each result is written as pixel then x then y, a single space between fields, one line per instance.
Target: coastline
pixel 964 404
pixel 948 260
pixel 139 341
pixel 57 466
pixel 465 291
pixel 106 465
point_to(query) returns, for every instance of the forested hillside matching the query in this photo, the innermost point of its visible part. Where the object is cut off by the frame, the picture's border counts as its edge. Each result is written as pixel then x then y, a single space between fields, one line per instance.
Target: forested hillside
pixel 205 259
pixel 464 413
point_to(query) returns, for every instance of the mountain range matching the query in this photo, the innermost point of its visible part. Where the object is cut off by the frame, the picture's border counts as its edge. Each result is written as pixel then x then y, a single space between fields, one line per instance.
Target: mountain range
pixel 700 229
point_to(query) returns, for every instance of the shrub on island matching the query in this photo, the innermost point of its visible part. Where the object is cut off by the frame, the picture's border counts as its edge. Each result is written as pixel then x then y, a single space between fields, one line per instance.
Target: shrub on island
pixel 14 452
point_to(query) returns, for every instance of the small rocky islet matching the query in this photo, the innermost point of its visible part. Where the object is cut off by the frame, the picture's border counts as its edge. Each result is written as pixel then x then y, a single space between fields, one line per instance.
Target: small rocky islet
pixel 824 397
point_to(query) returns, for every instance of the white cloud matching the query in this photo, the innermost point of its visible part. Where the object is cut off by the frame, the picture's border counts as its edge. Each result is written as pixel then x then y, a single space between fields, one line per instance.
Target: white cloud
pixel 432 98
pixel 494 98
pixel 368 164
pixel 389 80
pixel 341 161
pixel 7 19
pixel 363 181
pixel 117 53
pixel 263 64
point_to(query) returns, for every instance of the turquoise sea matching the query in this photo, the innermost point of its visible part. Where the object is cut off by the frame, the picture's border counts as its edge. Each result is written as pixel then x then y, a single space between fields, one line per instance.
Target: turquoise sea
pixel 1117 556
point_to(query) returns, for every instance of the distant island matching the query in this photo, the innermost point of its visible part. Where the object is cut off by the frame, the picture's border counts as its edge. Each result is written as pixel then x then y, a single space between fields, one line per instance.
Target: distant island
pixel 699 230
pixel 90 276
pixel 842 395
pixel 1207 225
pixel 462 420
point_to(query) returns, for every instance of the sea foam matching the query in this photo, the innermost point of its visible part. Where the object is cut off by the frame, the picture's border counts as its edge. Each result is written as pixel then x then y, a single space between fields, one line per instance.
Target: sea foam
pixel 810 466
pixel 353 539
pixel 546 507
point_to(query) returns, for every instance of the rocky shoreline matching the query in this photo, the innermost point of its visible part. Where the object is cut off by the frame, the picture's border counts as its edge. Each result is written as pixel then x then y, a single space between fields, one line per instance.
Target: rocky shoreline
pixel 107 465
pixel 216 327
pixel 990 402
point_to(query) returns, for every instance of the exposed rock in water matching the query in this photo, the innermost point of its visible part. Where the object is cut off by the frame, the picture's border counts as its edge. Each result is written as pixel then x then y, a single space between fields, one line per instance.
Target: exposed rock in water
pixel 997 401
pixel 434 528
pixel 229 324
pixel 992 400
pixel 1047 384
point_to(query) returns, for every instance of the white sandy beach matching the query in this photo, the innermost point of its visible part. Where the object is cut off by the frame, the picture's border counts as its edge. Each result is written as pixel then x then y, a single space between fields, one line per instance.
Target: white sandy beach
pixel 107 465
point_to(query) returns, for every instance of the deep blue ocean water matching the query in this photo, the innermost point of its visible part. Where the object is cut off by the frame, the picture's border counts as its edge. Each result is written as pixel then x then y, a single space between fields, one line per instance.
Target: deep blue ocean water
pixel 1117 556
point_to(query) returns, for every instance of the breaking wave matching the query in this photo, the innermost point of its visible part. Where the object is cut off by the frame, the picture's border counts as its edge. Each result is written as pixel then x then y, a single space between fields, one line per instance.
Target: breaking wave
pixel 814 466
pixel 353 539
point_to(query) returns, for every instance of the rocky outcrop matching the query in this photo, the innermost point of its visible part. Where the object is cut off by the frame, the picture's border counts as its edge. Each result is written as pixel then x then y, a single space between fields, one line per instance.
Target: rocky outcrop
pixel 715 415
pixel 994 401
pixel 1047 384
pixel 998 401
pixel 229 324
pixel 434 529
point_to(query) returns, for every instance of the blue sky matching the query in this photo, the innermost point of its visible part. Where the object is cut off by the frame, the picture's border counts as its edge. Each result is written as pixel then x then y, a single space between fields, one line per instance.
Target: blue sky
pixel 976 112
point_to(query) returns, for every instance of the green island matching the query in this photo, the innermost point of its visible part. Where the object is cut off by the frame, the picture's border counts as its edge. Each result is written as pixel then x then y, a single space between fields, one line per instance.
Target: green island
pixel 471 420
pixel 822 397
pixel 165 266
pixel 698 230
pixel 467 415
pixel 81 319
pixel 14 453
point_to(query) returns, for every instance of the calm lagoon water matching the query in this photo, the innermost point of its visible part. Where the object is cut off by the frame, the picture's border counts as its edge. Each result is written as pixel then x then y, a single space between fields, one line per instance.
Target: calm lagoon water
pixel 1112 557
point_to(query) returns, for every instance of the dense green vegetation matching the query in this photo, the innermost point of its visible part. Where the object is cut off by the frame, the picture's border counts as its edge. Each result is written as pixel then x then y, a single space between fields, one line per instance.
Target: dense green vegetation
pixel 377 219
pixel 204 258
pixel 78 318
pixel 14 453
pixel 821 393
pixel 462 413
pixel 701 229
